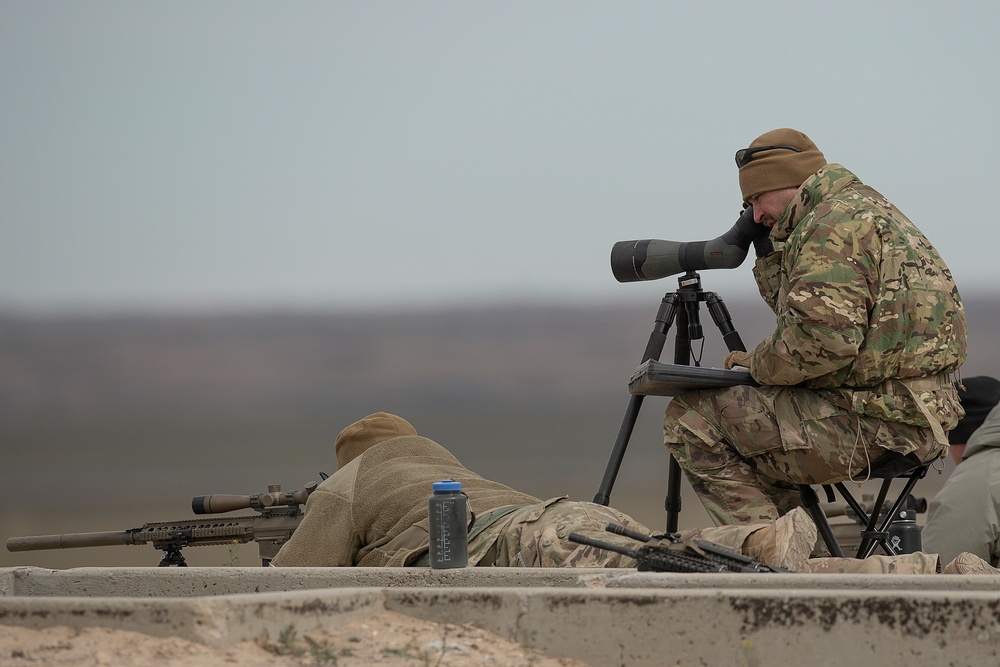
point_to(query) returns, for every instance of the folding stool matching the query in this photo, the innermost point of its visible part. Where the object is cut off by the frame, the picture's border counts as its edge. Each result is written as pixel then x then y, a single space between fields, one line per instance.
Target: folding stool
pixel 875 533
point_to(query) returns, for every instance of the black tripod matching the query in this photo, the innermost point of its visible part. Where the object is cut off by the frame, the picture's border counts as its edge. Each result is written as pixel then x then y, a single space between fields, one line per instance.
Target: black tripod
pixel 683 305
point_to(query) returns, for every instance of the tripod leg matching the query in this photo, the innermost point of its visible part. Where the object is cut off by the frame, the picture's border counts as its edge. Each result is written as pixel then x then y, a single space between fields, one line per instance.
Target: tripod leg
pixel 688 329
pixel 654 347
pixel 603 496
pixel 672 503
pixel 686 317
pixel 720 315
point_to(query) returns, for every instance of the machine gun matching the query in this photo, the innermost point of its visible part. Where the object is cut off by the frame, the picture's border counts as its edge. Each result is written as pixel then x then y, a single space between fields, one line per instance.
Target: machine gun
pixel 670 553
pixel 279 515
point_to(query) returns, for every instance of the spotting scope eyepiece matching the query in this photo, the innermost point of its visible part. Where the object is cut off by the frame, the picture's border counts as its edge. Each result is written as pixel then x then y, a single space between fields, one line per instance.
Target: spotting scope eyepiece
pixel 650 259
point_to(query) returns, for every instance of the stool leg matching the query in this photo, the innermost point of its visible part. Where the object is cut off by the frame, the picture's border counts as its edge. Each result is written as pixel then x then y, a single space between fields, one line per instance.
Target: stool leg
pixel 872 536
pixel 810 500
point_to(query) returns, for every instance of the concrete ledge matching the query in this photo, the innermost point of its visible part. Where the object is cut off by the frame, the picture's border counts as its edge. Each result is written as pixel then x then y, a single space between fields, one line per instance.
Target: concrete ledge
pixel 208 581
pixel 729 627
pixel 214 621
pixel 200 581
pixel 601 617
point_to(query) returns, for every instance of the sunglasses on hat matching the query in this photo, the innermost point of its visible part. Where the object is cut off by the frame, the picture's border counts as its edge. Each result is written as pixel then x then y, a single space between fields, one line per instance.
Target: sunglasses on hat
pixel 745 155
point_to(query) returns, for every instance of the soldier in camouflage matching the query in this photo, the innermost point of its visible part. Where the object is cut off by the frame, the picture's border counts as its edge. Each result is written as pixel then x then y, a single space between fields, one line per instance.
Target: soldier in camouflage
pixel 870 328
pixel 373 512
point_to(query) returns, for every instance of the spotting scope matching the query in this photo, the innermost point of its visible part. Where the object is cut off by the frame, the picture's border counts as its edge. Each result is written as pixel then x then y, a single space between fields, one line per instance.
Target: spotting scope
pixel 649 259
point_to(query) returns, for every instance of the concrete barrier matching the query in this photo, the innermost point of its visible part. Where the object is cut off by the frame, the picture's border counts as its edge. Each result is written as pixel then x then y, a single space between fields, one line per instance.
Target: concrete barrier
pixel 601 617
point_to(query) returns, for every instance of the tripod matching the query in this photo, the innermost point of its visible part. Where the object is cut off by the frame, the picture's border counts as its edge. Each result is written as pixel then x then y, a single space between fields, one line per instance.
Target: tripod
pixel 684 305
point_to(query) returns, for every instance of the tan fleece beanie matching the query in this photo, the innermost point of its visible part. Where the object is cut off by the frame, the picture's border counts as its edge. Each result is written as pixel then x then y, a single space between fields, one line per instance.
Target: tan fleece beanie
pixel 368 432
pixel 780 168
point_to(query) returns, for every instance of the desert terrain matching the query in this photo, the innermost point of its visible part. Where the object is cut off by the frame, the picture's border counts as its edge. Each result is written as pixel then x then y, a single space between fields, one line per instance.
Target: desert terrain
pixel 109 422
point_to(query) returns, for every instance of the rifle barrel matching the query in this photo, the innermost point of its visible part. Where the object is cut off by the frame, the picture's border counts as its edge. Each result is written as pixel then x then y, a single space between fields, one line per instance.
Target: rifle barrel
pixel 586 540
pixel 70 540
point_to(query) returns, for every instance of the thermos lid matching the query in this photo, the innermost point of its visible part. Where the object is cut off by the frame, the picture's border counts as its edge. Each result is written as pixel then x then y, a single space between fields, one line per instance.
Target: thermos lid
pixel 447 485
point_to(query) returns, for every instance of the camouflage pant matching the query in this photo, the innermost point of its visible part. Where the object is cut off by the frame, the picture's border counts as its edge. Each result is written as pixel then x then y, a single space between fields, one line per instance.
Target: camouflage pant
pixel 744 449
pixel 535 536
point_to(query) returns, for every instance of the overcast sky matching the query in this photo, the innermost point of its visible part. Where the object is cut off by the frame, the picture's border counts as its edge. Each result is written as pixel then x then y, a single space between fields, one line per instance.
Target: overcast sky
pixel 243 154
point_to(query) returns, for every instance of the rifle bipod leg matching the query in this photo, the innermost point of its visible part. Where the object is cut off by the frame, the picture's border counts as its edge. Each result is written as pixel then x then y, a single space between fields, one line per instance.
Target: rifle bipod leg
pixel 172 557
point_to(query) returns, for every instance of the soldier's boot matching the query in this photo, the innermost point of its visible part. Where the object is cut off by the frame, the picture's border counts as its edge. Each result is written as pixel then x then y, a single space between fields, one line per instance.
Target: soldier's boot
pixel 966 563
pixel 787 542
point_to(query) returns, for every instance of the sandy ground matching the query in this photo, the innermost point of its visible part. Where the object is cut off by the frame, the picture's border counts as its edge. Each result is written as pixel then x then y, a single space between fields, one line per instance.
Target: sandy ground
pixel 385 638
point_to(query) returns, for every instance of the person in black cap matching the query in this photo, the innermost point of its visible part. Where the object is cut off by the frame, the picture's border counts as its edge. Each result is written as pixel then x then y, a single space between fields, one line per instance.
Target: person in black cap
pixel 965 515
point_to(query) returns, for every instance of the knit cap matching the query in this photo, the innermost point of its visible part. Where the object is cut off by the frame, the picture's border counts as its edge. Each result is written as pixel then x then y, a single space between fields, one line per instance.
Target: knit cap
pixel 354 440
pixel 981 394
pixel 779 168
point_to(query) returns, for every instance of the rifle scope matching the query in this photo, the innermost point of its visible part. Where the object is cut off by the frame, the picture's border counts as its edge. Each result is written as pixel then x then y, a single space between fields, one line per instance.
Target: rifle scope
pixel 224 502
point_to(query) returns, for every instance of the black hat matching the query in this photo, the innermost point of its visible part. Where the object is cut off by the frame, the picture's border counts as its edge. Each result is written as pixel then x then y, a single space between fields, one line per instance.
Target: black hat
pixel 981 394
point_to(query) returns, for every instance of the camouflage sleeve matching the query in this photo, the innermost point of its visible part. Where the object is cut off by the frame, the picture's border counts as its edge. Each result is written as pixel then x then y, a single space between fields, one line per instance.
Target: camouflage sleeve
pixel 831 272
pixel 767 273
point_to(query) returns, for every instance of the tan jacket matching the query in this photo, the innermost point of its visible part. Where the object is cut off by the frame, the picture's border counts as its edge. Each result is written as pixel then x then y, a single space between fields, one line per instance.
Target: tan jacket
pixel 965 514
pixel 373 511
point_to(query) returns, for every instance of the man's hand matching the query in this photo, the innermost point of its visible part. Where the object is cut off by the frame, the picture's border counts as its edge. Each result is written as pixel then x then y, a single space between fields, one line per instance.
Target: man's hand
pixel 737 358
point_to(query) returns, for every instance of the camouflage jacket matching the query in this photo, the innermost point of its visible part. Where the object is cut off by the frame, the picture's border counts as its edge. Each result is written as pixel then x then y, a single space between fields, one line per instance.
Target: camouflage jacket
pixel 865 306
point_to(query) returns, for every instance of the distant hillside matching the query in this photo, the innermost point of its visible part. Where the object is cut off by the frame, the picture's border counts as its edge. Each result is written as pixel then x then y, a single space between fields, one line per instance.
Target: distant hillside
pixel 115 419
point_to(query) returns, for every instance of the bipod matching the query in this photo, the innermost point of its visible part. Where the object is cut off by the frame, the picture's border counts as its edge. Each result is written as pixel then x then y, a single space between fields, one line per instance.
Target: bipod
pixel 172 557
pixel 682 305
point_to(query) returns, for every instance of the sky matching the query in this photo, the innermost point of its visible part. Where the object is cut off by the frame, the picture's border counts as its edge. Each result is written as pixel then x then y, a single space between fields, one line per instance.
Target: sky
pixel 247 154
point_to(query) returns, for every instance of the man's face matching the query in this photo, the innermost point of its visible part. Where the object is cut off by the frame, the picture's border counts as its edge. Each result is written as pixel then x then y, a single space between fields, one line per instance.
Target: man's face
pixel 768 206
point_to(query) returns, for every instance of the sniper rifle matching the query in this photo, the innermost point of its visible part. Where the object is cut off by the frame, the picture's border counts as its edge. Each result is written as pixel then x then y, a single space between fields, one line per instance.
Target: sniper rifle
pixel 280 513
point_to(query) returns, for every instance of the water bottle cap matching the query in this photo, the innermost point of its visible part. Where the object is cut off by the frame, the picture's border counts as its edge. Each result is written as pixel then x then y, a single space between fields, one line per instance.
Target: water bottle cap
pixel 447 485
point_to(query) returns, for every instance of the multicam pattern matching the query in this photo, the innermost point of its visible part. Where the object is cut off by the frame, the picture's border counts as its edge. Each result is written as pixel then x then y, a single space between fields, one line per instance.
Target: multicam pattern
pixel 745 448
pixel 536 536
pixel 870 325
pixel 861 297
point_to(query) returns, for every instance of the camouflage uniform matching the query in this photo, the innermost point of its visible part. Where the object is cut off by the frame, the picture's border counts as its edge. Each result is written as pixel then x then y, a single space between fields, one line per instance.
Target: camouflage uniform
pixel 535 535
pixel 373 513
pixel 869 326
